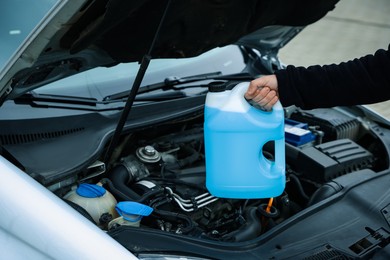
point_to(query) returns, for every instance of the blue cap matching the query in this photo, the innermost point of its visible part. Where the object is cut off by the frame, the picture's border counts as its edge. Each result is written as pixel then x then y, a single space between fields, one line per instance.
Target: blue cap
pixel 133 211
pixel 90 190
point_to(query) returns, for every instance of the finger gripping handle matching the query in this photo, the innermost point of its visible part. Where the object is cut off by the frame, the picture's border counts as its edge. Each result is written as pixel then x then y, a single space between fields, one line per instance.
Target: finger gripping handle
pixel 241 89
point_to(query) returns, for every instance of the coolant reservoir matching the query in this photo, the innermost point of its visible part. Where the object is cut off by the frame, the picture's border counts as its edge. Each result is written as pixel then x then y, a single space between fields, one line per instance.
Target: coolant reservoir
pixel 95 199
pixel 235 133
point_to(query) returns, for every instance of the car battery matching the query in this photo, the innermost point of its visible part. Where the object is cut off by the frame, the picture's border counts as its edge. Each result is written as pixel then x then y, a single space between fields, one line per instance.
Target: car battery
pixel 297 133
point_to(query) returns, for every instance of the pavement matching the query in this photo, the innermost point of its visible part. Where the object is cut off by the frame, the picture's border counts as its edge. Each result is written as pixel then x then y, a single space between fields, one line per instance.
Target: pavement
pixel 353 29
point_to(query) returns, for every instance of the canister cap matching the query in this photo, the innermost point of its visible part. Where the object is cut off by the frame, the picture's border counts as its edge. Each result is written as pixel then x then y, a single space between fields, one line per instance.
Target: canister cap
pixel 133 211
pixel 217 86
pixel 90 190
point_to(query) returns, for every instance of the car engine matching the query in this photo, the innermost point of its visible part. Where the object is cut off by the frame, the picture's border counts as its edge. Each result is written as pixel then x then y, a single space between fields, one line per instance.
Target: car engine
pixel 163 169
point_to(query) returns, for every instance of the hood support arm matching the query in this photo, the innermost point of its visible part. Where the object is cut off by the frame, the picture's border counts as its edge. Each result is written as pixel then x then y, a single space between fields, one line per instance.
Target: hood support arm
pixel 133 92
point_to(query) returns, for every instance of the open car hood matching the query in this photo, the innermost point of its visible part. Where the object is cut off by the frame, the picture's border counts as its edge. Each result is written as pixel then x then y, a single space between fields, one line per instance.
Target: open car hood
pixel 79 35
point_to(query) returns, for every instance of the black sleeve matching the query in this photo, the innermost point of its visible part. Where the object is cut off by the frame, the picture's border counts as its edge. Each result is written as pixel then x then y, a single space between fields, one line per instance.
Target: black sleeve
pixel 360 81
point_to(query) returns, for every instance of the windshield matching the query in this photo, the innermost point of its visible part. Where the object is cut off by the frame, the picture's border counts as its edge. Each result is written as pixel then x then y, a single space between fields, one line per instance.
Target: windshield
pixel 101 82
pixel 17 20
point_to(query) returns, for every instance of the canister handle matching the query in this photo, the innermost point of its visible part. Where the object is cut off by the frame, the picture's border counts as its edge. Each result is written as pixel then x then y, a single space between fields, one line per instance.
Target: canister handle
pixel 279 157
pixel 242 87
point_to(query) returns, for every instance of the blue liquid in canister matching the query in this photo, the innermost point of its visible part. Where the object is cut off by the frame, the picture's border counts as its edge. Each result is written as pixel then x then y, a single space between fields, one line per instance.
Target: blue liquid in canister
pixel 235 133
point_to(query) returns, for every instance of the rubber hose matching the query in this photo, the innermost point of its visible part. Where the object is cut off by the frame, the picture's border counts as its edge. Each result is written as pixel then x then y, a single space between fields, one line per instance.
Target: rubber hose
pixel 299 185
pixel 120 178
pixel 250 230
pixel 194 155
pixel 189 159
pixel 117 193
pixel 123 197
pixel 325 191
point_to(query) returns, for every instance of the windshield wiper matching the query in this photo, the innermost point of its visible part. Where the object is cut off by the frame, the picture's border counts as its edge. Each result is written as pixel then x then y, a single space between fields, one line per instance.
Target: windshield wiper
pixel 34 99
pixel 171 82
pixel 63 102
pixel 30 98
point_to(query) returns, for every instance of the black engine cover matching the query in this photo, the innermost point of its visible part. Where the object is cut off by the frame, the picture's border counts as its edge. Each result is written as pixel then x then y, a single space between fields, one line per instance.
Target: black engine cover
pixel 327 161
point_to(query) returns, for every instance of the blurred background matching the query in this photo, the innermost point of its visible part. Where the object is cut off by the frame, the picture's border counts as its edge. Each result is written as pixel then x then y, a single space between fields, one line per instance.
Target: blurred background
pixel 353 29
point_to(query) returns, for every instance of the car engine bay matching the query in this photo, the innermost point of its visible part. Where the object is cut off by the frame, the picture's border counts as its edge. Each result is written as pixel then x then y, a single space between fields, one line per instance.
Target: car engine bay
pixel 163 170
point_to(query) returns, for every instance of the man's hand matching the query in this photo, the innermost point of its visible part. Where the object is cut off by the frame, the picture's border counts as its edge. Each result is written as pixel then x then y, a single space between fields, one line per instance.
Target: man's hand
pixel 264 91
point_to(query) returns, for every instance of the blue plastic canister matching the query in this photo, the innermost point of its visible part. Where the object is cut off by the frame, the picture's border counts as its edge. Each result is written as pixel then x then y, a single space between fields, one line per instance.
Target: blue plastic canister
pixel 235 133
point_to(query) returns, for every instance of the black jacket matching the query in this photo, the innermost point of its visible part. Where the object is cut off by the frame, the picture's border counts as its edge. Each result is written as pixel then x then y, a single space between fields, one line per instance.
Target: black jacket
pixel 359 81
